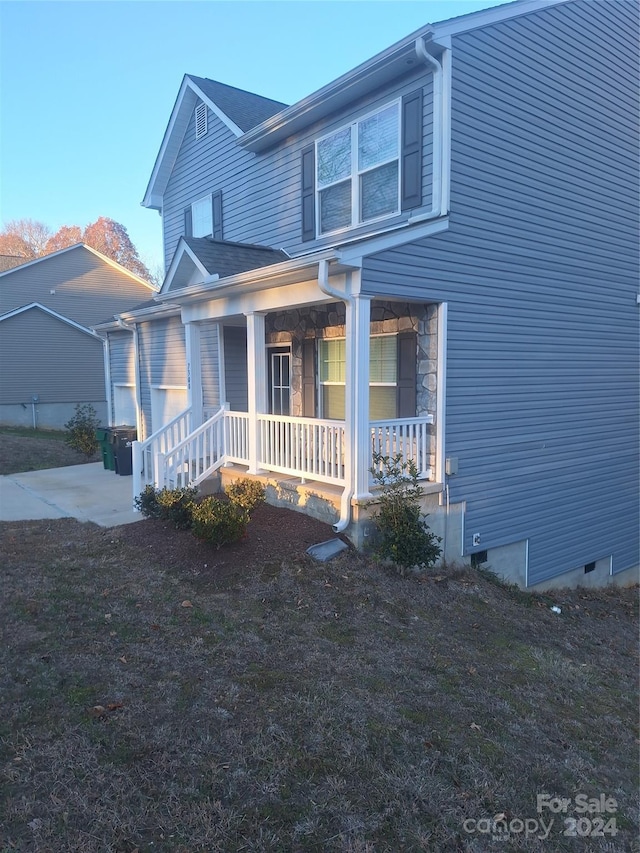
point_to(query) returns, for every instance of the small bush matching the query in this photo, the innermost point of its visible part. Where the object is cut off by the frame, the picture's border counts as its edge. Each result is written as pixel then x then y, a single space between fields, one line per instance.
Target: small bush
pixel 219 522
pixel 174 505
pixel 404 537
pixel 147 502
pixel 81 430
pixel 247 494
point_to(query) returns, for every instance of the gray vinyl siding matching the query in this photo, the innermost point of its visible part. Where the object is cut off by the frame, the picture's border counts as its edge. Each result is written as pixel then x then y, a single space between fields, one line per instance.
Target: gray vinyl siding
pixel 122 363
pixel 235 368
pixel 540 272
pixel 162 356
pixel 261 196
pixel 86 289
pixel 210 359
pixel 42 355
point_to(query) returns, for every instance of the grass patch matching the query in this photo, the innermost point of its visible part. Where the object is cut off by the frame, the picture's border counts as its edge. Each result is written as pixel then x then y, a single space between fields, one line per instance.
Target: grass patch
pixel 308 707
pixel 23 449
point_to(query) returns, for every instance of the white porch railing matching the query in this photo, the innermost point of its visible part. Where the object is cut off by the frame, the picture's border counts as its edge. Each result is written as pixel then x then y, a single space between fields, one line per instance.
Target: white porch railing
pixel 407 436
pixel 303 447
pixel 144 452
pixel 308 448
pixel 194 458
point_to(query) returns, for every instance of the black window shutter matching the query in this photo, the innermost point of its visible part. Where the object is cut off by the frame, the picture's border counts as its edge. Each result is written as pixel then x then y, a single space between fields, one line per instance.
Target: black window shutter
pixel 216 215
pixel 308 379
pixel 412 150
pixel 308 182
pixel 188 228
pixel 407 374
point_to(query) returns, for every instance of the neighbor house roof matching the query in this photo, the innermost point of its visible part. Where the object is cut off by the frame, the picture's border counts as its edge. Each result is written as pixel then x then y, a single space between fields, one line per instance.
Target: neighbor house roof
pixel 7 262
pixel 78 283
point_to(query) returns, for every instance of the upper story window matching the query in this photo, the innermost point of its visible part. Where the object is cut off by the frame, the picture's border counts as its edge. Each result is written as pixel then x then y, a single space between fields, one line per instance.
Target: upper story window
pixel 358 171
pixel 201 120
pixel 365 171
pixel 203 218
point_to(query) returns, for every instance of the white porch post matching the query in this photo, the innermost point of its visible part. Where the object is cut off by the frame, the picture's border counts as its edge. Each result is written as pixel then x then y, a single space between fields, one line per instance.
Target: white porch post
pixel 358 317
pixel 194 373
pixel 256 384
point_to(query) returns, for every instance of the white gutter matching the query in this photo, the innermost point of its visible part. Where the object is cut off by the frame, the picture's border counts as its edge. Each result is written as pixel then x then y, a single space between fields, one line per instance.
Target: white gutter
pixel 347 494
pixel 438 205
pixel 107 378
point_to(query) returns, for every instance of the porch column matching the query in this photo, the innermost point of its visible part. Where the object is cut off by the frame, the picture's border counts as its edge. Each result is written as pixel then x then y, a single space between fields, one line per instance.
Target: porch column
pixel 194 373
pixel 256 384
pixel 358 318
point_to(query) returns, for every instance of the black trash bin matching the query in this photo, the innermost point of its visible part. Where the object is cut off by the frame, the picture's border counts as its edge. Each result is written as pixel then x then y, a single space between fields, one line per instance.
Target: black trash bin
pixel 122 438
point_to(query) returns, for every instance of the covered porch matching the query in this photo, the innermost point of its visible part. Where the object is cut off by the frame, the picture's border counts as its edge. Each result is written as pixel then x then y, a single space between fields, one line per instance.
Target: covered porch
pixel 333 377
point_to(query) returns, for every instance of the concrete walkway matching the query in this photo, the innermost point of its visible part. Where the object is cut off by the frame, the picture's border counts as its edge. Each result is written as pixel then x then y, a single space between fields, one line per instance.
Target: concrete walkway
pixel 85 492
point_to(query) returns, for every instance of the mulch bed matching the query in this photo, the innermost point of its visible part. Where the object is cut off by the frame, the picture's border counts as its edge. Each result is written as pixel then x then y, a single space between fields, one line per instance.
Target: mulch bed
pixel 273 535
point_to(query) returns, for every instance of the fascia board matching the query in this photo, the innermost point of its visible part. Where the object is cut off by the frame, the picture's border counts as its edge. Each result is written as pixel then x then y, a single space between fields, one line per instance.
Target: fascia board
pixel 95 252
pixel 39 307
pixel 486 17
pixel 273 272
pixel 346 89
pixel 182 250
pixel 385 65
pixel 174 134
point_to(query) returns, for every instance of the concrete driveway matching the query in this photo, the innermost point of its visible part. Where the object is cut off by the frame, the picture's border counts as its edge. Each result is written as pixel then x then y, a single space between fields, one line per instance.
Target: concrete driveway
pixel 85 492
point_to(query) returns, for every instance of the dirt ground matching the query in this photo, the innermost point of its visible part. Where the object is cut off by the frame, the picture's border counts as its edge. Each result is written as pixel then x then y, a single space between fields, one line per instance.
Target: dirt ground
pixel 273 535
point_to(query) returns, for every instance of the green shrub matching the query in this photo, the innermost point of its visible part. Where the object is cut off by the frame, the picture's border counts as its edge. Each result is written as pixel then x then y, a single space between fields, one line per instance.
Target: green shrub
pixel 174 505
pixel 147 502
pixel 404 537
pixel 81 430
pixel 219 521
pixel 247 494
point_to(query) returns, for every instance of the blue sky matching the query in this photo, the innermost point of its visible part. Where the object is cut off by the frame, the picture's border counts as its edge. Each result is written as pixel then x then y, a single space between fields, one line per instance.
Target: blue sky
pixel 87 88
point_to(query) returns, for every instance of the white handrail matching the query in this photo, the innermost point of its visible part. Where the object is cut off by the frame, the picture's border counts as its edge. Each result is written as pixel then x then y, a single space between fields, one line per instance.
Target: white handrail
pixel 198 455
pixel 144 453
pixel 309 448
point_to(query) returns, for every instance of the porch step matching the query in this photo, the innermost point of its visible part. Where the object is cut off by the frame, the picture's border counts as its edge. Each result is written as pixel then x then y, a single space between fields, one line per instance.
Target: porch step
pixel 319 500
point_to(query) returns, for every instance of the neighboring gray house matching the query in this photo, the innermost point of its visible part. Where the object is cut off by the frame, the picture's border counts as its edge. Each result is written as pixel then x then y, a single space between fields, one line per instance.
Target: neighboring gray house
pixel 435 254
pixel 50 359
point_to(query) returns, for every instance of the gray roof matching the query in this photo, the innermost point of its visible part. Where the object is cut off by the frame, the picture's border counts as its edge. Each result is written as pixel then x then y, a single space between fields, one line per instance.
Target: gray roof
pixel 243 108
pixel 226 258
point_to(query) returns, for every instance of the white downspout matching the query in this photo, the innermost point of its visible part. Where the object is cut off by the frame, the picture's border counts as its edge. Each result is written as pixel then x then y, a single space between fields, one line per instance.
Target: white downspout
pixel 107 378
pixel 438 205
pixel 347 494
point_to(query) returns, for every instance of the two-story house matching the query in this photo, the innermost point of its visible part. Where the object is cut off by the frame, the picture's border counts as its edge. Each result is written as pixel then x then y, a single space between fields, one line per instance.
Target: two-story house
pixel 435 254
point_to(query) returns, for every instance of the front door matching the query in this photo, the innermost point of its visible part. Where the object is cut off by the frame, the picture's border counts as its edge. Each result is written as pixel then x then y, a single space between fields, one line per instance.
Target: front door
pixel 280 381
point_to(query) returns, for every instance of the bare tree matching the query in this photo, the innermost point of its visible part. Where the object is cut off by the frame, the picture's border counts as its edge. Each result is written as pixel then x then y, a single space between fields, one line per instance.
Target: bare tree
pixel 111 238
pixel 28 239
pixel 64 237
pixel 24 238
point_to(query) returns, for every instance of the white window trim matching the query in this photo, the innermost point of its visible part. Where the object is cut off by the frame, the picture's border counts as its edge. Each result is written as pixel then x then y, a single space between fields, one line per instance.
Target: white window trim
pixel 354 175
pixel 320 383
pixel 208 200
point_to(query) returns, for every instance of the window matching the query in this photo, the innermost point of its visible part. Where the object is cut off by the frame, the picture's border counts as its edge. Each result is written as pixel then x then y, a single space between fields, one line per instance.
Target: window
pixel 203 218
pixel 383 377
pixel 358 171
pixel 365 171
pixel 201 120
